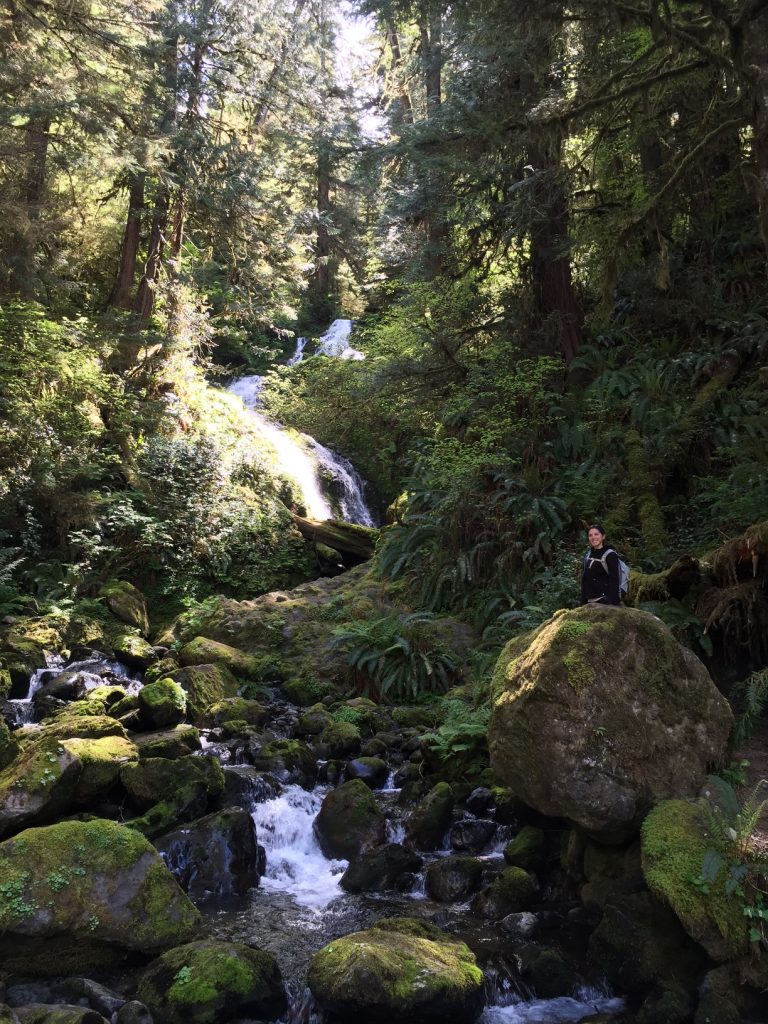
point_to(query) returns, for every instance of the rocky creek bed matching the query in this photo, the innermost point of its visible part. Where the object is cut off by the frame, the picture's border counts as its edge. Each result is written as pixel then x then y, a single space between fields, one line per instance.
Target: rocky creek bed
pixel 182 839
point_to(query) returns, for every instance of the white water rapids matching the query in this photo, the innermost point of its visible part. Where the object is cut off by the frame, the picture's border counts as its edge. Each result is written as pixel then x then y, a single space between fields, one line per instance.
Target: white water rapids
pixel 305 461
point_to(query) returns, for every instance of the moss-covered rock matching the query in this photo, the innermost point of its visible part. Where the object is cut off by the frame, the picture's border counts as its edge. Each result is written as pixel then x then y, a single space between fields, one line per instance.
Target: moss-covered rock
pixel 230 709
pixel 526 849
pixel 306 691
pixel 169 792
pixel 415 975
pixel 380 869
pixel 24 645
pixel 313 721
pixel 166 666
pixel 202 651
pixel 171 743
pixel 288 760
pixel 127 604
pixel 61 1013
pixel 5 682
pixel 453 878
pixel 207 982
pixel 89 883
pixel 600 712
pixel 39 785
pixel 509 893
pixel 429 821
pixel 676 837
pixel 134 651
pixel 101 762
pixel 341 739
pixel 163 703
pixel 9 747
pixel 206 685
pixel 349 821
pixel 370 770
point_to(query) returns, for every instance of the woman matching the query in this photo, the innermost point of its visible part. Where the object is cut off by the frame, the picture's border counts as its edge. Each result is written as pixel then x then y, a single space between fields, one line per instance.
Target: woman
pixel 600 577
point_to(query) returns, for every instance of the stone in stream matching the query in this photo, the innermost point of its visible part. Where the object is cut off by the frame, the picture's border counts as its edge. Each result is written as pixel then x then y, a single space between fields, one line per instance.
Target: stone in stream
pixel 452 879
pixel 287 760
pixel 379 870
pixel 429 821
pixel 208 981
pixel 215 855
pixel 202 651
pixel 599 713
pixel 9 747
pixel 206 686
pixel 471 835
pixel 134 651
pixel 526 850
pixel 350 821
pixel 77 890
pixel 179 741
pixel 168 792
pixel 479 800
pixel 339 740
pixel 59 1013
pixel 370 770
pixel 400 969
pixel 510 892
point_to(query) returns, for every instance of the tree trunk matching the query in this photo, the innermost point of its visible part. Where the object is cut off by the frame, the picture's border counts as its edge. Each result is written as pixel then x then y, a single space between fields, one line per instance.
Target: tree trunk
pixel 23 276
pixel 758 58
pixel 404 108
pixel 123 287
pixel 144 302
pixel 430 33
pixel 323 274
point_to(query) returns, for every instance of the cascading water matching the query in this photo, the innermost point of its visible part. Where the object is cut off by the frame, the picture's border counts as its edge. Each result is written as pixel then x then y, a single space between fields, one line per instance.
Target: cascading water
pixel 303 461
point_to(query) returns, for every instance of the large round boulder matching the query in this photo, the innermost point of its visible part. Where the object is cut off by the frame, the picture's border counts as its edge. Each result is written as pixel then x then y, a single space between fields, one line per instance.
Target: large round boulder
pixel 599 713
pixel 349 821
pixel 208 981
pixel 78 886
pixel 401 969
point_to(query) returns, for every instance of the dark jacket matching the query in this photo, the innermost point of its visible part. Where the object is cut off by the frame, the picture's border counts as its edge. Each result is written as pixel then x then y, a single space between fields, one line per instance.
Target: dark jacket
pixel 597 585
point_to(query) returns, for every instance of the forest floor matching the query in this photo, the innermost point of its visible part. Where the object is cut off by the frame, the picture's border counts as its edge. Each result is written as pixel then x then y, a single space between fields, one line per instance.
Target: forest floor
pixel 755 751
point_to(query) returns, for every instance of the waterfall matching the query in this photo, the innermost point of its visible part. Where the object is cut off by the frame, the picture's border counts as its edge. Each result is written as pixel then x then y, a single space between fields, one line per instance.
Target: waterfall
pixel 295 862
pixel 303 460
pixel 335 342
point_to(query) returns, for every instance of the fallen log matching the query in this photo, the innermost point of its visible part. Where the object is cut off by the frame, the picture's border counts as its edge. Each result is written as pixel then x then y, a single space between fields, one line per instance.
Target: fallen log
pixel 347 538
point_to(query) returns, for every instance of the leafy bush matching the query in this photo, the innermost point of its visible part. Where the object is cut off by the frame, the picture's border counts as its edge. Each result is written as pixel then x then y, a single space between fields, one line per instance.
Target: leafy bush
pixel 396 656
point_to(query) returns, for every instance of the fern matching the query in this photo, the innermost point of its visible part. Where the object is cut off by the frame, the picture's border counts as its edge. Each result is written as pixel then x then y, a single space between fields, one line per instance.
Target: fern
pixel 751 698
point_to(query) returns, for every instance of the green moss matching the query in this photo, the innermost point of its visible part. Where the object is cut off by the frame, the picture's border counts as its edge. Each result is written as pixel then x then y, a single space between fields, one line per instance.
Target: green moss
pixel 163 702
pixel 206 685
pixel 9 746
pixel 202 651
pixel 306 691
pixel 526 849
pixel 134 650
pixel 342 738
pixel 676 837
pixel 572 630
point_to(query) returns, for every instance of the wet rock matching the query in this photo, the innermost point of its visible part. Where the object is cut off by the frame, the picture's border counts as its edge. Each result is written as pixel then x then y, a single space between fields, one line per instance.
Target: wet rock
pixel 245 786
pixel 340 739
pixel 672 1004
pixel 288 760
pixel 212 981
pixel 65 686
pixel 133 1012
pixel 471 835
pixel 36 1013
pixel 370 770
pixel 548 972
pixel 380 869
pixel 511 892
pixel 99 998
pixel 101 761
pixel 479 800
pixel 408 773
pixel 453 879
pixel 166 666
pixel 230 709
pixel 350 821
pixel 29 992
pixel 374 747
pixel 162 703
pixel 598 739
pixel 526 850
pixel 313 721
pixel 522 925
pixel 38 785
pixel 9 747
pixel 401 969
pixel 215 855
pixel 87 884
pixel 429 821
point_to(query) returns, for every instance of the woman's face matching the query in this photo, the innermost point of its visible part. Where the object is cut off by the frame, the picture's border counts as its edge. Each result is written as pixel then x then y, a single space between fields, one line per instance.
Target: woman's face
pixel 595 538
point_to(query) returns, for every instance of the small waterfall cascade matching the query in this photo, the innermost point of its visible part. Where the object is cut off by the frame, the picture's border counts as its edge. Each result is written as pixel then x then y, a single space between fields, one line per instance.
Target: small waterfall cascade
pixel 306 462
pixel 507 1006
pixel 295 862
pixel 23 707
pixel 335 342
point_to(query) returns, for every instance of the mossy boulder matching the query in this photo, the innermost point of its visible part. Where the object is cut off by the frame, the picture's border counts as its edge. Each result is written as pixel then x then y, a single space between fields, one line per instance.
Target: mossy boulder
pixel 168 792
pixel 288 760
pixel 202 651
pixel 39 785
pixel 162 703
pixel 24 645
pixel 306 691
pixel 127 604
pixel 380 869
pixel 313 721
pixel 101 762
pixel 341 739
pixel 60 1013
pixel 179 741
pixel 400 970
pixel 208 981
pixel 430 819
pixel 509 893
pixel 599 713
pixel 229 709
pixel 370 770
pixel 88 884
pixel 205 685
pixel 349 821
pixel 453 878
pixel 166 666
pixel 676 837
pixel 134 651
pixel 526 849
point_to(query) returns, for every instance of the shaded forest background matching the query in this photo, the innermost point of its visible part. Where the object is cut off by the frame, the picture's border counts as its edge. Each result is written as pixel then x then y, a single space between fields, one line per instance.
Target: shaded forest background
pixel 549 224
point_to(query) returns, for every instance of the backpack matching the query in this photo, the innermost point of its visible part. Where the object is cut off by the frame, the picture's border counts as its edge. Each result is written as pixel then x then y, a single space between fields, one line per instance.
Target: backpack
pixel 623 570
